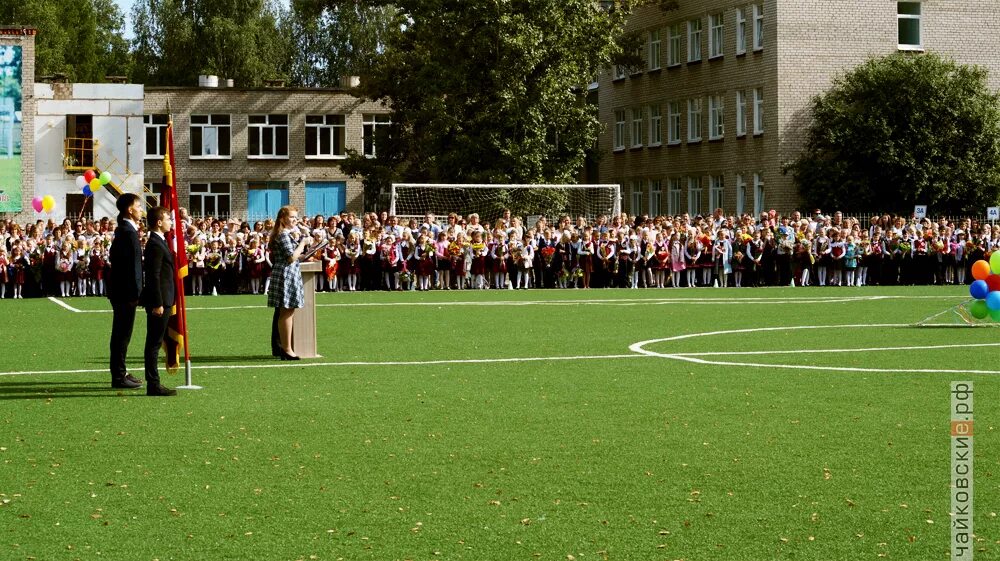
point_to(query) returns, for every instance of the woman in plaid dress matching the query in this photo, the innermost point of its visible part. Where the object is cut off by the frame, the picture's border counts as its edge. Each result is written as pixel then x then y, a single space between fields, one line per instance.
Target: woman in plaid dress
pixel 285 292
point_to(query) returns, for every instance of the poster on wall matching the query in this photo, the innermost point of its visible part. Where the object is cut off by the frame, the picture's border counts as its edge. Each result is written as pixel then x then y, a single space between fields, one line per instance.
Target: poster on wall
pixel 10 128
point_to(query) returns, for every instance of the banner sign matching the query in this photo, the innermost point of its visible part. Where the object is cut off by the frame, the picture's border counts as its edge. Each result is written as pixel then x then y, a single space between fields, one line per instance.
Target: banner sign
pixel 10 128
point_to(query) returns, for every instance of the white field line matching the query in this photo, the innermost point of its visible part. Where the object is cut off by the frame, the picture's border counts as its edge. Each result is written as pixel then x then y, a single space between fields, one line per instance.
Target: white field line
pixel 819 351
pixel 349 363
pixel 639 348
pixel 609 302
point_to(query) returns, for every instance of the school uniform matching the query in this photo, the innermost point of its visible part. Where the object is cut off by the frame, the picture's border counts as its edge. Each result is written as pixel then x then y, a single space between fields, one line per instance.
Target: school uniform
pixel 158 291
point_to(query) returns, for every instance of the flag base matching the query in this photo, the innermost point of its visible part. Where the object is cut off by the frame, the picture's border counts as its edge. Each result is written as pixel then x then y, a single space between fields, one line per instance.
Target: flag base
pixel 189 387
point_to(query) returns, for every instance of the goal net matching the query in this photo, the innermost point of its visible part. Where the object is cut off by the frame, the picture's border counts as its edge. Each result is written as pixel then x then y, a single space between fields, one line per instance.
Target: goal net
pixel 489 201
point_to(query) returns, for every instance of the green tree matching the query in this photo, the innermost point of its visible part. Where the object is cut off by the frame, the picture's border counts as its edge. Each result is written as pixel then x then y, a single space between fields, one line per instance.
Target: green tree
pixel 176 40
pixel 483 91
pixel 902 130
pixel 82 39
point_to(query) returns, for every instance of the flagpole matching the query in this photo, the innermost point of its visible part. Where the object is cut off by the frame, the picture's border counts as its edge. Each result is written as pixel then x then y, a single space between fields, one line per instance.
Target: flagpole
pixel 180 253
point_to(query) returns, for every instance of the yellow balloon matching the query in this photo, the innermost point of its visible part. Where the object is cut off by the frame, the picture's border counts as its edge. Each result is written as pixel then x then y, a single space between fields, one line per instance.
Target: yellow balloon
pixel 48 203
pixel 95 184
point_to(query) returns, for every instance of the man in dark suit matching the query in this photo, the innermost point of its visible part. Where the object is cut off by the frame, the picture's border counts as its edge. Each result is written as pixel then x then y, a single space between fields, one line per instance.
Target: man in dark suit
pixel 124 285
pixel 158 293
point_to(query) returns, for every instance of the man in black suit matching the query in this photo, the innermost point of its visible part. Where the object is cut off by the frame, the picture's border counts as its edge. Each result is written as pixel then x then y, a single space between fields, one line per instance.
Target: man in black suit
pixel 158 293
pixel 124 285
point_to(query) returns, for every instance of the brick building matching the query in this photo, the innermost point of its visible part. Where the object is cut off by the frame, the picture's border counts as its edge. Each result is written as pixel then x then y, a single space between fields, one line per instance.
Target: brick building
pixel 721 103
pixel 246 152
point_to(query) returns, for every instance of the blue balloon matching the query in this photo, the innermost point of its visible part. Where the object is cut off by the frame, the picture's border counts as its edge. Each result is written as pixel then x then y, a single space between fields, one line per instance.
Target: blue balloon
pixel 88 193
pixel 993 300
pixel 979 289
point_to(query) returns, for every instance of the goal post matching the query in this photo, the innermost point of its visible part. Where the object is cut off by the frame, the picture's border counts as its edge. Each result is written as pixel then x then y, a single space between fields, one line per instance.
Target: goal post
pixel 490 200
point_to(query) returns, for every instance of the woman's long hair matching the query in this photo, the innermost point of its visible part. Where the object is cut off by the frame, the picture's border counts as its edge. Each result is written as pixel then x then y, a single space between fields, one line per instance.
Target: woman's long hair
pixel 281 222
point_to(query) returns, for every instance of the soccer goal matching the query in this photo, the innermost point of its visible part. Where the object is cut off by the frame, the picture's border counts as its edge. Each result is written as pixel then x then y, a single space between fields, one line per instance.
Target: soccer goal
pixel 489 201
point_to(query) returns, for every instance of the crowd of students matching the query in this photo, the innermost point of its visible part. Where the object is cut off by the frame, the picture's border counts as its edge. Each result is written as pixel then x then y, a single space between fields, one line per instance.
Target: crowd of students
pixel 378 252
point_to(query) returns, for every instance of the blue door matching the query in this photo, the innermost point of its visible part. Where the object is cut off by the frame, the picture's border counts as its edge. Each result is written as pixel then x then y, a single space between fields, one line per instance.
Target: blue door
pixel 264 200
pixel 325 197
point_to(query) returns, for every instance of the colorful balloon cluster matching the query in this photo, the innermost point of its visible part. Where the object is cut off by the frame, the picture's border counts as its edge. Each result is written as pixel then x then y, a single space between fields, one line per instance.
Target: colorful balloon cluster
pixel 986 288
pixel 43 204
pixel 90 182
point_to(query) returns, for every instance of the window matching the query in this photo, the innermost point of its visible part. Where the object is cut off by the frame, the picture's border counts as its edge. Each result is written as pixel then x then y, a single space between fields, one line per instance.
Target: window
pixel 758 27
pixel 741 31
pixel 694 196
pixel 716 108
pixel 741 195
pixel 715 192
pixel 758 194
pixel 715 39
pixel 636 128
pixel 636 188
pixel 267 136
pixel 619 139
pixel 209 199
pixel 654 197
pixel 674 45
pixel 619 72
pixel 654 49
pixel 325 136
pixel 156 135
pixel 758 111
pixel 371 125
pixel 637 53
pixel 741 113
pixel 674 196
pixel 210 136
pixel 694 40
pixel 694 120
pixel 674 122
pixel 908 19
pixel 655 132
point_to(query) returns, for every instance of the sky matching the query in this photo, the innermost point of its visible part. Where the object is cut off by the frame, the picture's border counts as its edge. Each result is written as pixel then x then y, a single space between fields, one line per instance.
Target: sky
pixel 126 6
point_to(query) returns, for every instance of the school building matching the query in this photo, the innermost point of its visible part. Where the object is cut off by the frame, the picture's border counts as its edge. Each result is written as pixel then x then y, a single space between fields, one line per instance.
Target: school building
pixel 721 102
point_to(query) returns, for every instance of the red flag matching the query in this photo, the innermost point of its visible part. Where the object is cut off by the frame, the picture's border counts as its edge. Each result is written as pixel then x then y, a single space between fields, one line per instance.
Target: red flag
pixel 177 326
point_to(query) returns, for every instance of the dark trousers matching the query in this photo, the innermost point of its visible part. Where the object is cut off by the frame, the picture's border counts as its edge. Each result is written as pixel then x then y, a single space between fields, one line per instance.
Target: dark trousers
pixel 121 333
pixel 275 342
pixel 156 328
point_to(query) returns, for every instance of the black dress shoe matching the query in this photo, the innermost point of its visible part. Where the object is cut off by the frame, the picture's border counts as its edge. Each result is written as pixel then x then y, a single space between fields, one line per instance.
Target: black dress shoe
pixel 160 390
pixel 132 379
pixel 126 384
pixel 286 356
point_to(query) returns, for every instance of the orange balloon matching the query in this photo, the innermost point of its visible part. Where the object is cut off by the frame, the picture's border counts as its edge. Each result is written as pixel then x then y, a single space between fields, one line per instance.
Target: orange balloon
pixel 980 270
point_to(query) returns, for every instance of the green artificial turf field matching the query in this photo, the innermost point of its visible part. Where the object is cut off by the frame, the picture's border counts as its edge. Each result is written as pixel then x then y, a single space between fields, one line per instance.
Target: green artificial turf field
pixel 554 425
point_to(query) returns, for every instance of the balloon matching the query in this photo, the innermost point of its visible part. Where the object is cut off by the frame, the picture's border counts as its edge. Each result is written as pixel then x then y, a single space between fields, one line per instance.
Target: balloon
pixel 88 193
pixel 80 182
pixel 993 282
pixel 48 203
pixel 105 178
pixel 95 184
pixel 995 314
pixel 978 309
pixel 979 289
pixel 980 270
pixel 993 301
pixel 995 262
pixel 36 204
pixel 89 175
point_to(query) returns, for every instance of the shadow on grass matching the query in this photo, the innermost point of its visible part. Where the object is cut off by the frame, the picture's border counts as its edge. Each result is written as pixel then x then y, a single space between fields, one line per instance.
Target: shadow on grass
pixel 47 390
pixel 221 359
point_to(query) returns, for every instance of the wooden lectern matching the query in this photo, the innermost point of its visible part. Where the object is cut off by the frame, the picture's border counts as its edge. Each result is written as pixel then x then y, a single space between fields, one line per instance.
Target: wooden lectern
pixel 304 320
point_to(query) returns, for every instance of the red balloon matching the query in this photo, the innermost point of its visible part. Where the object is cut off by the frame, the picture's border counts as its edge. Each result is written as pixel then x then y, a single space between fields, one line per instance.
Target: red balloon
pixel 89 175
pixel 993 281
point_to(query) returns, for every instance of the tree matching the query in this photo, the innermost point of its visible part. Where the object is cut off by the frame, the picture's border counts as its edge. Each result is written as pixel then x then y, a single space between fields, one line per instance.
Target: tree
pixel 902 130
pixel 487 91
pixel 82 39
pixel 176 40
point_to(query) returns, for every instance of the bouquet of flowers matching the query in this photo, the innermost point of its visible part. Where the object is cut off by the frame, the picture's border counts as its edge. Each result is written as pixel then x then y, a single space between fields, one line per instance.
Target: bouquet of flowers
pixel 738 256
pixel 428 251
pixel 547 253
pixel 331 269
pixel 370 247
pixel 578 273
pixel 405 276
pixel 232 257
pixel 905 247
pixel 563 275
pixel 455 250
pixel 479 249
pixel 82 265
pixel 64 266
pixel 516 254
pixel 214 260
pixel 352 254
pixel 938 246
